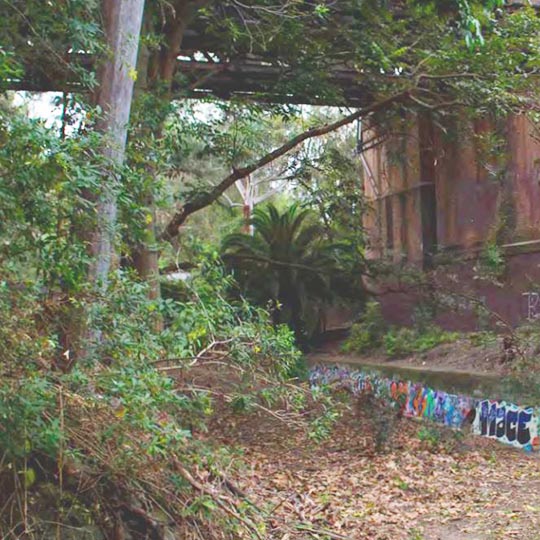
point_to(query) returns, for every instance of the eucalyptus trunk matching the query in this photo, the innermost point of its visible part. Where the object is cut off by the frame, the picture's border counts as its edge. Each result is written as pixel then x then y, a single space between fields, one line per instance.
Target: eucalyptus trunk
pixel 122 23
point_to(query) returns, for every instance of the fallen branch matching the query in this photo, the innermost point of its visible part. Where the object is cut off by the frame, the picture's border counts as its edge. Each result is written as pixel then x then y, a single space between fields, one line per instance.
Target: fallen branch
pixel 220 500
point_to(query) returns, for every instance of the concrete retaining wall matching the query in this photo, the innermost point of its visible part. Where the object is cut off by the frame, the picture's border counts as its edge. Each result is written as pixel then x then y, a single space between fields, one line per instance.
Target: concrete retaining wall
pixel 505 422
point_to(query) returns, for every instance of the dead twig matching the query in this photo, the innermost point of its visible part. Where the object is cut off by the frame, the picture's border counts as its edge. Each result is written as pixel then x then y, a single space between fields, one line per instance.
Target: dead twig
pixel 219 499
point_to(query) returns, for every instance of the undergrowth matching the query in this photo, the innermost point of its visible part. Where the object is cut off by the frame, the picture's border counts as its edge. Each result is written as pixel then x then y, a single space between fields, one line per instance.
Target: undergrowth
pixel 371 333
pixel 115 446
pixel 437 438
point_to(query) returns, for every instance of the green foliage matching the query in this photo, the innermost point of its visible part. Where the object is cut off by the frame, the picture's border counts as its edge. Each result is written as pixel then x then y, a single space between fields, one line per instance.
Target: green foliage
pixel 23 311
pixel 367 334
pixel 114 421
pixel 45 184
pixel 26 427
pixel 399 341
pixel 328 408
pixel 483 338
pixel 328 179
pixel 372 333
pixel 404 341
pixel 118 413
pixel 37 33
pixel 288 264
pixel 321 426
pixel 491 263
pixel 415 534
pixel 8 66
pixel 205 316
pixel 115 413
pixel 383 419
pixel 380 40
pixel 429 435
pixel 436 438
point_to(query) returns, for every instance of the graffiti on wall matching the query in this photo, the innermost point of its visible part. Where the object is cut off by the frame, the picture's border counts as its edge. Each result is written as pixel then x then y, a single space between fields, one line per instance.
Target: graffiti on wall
pixel 438 406
pixel 533 305
pixel 505 422
pixel 414 399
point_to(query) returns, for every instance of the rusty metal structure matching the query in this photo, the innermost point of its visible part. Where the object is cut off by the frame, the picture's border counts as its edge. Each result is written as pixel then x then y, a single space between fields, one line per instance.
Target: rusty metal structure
pixel 205 74
pixel 439 200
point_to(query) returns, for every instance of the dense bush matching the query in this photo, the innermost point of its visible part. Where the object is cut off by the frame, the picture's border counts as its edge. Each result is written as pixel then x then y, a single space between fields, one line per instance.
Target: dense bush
pixel 404 341
pixel 367 334
pixel 105 398
pixel 290 264
pixel 372 333
pixel 118 417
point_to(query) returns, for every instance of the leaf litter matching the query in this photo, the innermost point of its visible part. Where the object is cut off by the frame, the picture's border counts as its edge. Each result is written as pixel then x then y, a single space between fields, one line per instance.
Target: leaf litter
pixel 453 488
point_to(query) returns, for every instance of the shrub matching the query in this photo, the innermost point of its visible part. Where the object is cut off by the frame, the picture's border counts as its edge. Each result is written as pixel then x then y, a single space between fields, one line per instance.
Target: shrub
pixel 436 438
pixel 372 333
pixel 433 336
pixel 482 338
pixel 117 423
pixel 491 263
pixel 289 263
pixel 382 417
pixel 399 341
pixel 404 341
pixel 367 334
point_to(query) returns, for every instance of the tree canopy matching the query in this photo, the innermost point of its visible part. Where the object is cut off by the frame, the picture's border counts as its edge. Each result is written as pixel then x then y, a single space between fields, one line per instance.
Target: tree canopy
pixel 107 387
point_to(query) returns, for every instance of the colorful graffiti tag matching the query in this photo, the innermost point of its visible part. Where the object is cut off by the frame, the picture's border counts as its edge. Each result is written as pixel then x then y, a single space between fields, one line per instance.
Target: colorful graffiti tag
pixel 506 422
pixel 414 399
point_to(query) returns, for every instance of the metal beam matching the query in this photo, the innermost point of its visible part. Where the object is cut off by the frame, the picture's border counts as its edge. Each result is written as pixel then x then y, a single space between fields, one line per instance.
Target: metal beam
pixel 248 77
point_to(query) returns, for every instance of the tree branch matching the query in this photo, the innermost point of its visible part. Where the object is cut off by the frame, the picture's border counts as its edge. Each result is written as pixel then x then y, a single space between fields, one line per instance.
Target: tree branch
pixel 204 199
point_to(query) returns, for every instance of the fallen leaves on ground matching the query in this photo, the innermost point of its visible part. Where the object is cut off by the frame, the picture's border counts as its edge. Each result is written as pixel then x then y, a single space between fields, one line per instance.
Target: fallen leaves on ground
pixel 474 489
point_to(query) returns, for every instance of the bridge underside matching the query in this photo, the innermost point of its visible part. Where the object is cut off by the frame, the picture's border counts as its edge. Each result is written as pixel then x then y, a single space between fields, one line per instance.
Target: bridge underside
pixel 246 78
pixel 208 67
pixel 203 70
pixel 436 200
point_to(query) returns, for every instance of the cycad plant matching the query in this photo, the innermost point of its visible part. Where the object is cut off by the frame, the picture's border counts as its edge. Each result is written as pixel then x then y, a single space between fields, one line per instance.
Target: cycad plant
pixel 287 263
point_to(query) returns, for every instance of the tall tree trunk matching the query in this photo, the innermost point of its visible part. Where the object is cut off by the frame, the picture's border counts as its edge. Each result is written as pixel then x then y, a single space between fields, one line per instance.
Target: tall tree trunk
pixel 161 69
pixel 145 252
pixel 122 26
pixel 122 22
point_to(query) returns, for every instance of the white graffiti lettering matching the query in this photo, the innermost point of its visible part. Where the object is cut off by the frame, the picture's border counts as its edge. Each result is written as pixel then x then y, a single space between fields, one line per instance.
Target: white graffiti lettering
pixel 533 301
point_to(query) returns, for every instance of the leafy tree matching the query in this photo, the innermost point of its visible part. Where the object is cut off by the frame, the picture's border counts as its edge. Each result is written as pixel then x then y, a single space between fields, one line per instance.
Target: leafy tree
pixel 116 423
pixel 387 59
pixel 421 56
pixel 329 179
pixel 288 263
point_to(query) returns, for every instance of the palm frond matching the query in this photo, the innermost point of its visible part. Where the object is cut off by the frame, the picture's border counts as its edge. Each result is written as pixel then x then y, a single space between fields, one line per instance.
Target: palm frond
pixel 288 259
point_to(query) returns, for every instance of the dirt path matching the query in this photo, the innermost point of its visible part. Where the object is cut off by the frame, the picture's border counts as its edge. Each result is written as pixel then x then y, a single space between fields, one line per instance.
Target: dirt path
pixel 409 363
pixel 427 485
